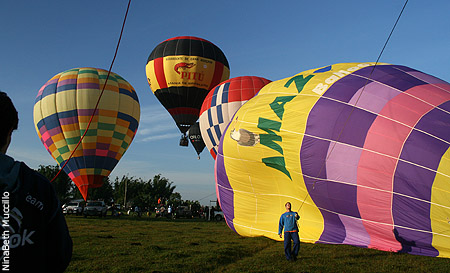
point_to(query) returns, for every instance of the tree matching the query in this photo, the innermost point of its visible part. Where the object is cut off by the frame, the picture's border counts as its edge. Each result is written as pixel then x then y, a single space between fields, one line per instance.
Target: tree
pixel 194 206
pixel 133 191
pixel 161 187
pixel 175 199
pixel 62 184
pixel 143 193
pixel 105 192
pixel 126 190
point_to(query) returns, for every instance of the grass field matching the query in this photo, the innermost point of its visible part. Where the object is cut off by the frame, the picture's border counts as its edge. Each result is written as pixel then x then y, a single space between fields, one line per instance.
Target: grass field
pixel 146 244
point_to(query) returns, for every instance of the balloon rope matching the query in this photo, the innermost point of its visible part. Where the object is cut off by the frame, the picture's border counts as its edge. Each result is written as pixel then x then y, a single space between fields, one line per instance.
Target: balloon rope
pixel 359 96
pixel 206 196
pixel 101 93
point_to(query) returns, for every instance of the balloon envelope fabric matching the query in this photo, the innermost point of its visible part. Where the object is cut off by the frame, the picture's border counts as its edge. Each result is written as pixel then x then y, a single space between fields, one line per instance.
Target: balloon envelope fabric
pixel 63 108
pixel 196 138
pixel 362 153
pixel 220 105
pixel 181 71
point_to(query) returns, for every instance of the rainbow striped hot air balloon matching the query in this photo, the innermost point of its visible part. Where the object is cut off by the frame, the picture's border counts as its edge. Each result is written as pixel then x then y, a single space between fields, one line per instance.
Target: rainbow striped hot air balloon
pixel 362 151
pixel 63 108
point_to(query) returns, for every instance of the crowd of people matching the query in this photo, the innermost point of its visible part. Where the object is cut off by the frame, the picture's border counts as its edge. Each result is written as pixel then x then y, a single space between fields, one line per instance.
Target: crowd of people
pixel 165 211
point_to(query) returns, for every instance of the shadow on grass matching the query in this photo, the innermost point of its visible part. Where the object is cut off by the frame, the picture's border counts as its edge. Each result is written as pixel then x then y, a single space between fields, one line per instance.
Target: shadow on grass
pixel 374 254
pixel 154 248
pixel 105 236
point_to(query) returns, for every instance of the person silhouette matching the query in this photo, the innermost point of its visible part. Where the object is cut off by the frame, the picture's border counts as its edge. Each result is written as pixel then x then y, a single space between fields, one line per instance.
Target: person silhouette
pixel 34 230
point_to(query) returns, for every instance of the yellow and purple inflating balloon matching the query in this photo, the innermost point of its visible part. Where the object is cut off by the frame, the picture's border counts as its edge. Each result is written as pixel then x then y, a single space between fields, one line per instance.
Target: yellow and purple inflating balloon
pixel 63 108
pixel 362 151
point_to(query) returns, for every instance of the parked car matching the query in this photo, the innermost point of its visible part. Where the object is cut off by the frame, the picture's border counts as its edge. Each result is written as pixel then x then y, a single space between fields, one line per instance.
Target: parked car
pixel 183 211
pixel 95 208
pixel 73 208
pixel 218 215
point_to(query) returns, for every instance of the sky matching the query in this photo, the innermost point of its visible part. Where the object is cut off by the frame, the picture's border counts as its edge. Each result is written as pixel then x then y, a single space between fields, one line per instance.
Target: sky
pixel 270 39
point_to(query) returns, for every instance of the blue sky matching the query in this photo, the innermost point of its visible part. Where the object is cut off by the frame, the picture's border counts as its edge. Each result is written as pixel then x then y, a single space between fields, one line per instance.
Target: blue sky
pixel 271 39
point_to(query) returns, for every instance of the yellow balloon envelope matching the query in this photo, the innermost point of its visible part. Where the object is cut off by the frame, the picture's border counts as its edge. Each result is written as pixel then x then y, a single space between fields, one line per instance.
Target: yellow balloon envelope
pixel 361 152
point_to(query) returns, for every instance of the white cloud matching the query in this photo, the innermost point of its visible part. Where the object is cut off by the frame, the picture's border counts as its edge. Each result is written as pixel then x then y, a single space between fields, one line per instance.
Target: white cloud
pixel 32 157
pixel 153 128
pixel 154 113
pixel 144 131
pixel 156 124
pixel 160 137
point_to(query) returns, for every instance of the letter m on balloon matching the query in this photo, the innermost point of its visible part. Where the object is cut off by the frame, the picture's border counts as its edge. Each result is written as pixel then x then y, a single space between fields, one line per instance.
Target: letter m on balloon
pixel 268 140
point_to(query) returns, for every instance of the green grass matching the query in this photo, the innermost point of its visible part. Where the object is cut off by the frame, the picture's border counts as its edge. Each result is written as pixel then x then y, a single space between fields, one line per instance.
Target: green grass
pixel 158 245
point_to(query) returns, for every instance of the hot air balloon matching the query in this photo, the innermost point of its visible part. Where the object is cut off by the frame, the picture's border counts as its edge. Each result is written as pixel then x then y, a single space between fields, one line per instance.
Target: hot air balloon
pixel 195 137
pixel 221 103
pixel 180 72
pixel 62 110
pixel 361 151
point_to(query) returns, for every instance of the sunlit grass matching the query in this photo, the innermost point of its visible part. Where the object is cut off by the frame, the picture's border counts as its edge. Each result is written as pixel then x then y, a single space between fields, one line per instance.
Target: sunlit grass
pixel 158 245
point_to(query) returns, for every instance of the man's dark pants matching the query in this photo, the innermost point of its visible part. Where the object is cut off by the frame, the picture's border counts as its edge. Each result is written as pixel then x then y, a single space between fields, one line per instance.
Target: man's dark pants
pixel 288 236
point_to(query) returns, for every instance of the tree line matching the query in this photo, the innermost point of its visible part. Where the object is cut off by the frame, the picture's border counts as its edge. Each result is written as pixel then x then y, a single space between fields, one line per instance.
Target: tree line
pixel 128 190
